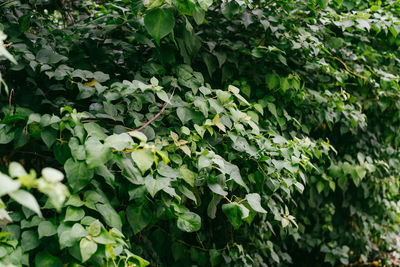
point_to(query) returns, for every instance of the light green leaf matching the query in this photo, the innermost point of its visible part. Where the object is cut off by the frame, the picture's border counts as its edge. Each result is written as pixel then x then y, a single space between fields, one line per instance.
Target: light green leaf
pixel 96 153
pixel 74 214
pixel 217 189
pixel 87 248
pixel 205 4
pixel 46 228
pixel 119 141
pixel 143 158
pixel 155 185
pixel 254 201
pixel 187 175
pixel 139 135
pixel 95 228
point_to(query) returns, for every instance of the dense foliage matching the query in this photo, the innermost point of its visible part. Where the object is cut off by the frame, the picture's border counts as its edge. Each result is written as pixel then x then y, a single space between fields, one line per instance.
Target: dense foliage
pixel 199 133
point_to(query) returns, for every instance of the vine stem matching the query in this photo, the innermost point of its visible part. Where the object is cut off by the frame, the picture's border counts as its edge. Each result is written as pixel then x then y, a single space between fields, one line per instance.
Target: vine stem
pixel 156 116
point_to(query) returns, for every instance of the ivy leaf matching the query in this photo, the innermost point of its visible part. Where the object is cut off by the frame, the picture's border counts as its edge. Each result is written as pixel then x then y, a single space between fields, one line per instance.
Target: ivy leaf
pixel 87 248
pixel 95 228
pixel 139 217
pixel 46 228
pixel 44 258
pixel 119 141
pixel 29 240
pixel 97 153
pixel 26 199
pixel 143 158
pixel 155 185
pixel 74 214
pixel 189 222
pixel 110 216
pixel 234 214
pixel 78 174
pixel 217 189
pixel 205 4
pixel 254 201
pixel 159 23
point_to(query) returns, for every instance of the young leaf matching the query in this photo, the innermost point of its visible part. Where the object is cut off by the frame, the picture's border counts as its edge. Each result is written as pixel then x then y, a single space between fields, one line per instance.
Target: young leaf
pixel 143 158
pixel 87 248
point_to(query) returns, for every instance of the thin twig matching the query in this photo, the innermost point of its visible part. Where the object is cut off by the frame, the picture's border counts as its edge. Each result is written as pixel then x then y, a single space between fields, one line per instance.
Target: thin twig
pixel 6 2
pixel 10 98
pixel 7 45
pixel 156 116
pixel 347 68
pixel 201 243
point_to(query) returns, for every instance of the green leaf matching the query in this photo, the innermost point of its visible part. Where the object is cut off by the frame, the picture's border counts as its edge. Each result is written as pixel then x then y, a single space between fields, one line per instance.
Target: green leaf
pixel 44 258
pixel 320 186
pixel 104 238
pixel 8 185
pixel 110 216
pixel 119 141
pixel 159 23
pixel 26 199
pixel 139 216
pixel 189 222
pixel 254 201
pixel 234 214
pixel 155 185
pixel 184 6
pixel 93 129
pixel 87 248
pixel 97 154
pixel 78 231
pixel 78 174
pixel 48 137
pixel 139 135
pixel 29 240
pixel 187 175
pixel 205 4
pixel 74 214
pixel 143 158
pixel 272 81
pixel 95 228
pixel 217 189
pixel 46 228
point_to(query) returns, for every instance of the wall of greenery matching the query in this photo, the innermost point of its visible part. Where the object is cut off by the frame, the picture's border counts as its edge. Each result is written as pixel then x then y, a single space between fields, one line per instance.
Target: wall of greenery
pixel 199 133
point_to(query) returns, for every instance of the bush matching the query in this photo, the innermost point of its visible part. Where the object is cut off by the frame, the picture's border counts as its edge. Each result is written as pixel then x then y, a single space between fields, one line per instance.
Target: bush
pixel 200 133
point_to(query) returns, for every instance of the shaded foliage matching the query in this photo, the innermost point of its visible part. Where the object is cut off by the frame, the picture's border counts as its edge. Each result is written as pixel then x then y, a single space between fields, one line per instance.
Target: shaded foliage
pixel 215 133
